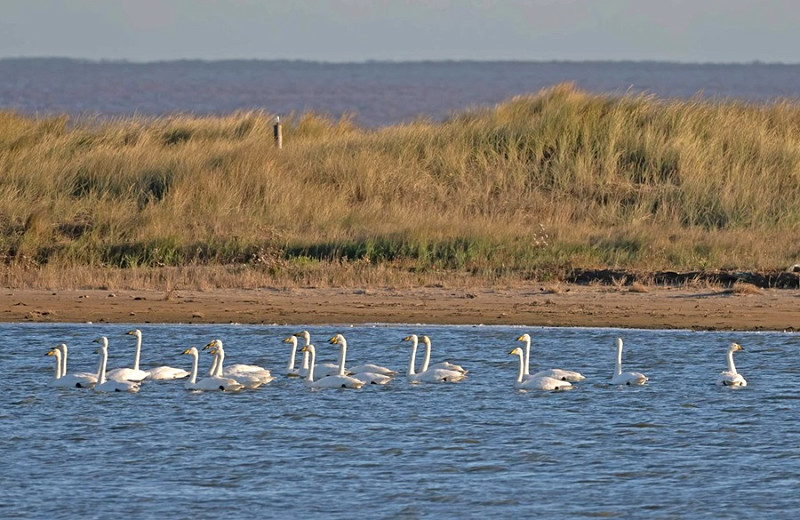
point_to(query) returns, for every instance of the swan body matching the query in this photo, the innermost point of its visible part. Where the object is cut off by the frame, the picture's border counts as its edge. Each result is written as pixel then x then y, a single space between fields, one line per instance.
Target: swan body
pixel 335 381
pixel 367 373
pixel 251 371
pixel 69 380
pixel 131 374
pixel 110 385
pixel 731 377
pixel 211 383
pixel 76 380
pixel 444 365
pixel 436 375
pixel 556 373
pixel 320 369
pixel 162 373
pixel 536 382
pixel 625 378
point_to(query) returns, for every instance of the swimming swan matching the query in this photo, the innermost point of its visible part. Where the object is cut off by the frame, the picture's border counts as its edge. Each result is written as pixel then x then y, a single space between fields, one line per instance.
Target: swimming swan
pixel 367 373
pixel 237 368
pixel 251 379
pixel 731 377
pixel 436 375
pixel 130 374
pixel 536 382
pixel 336 381
pixel 291 371
pixel 625 378
pixel 78 379
pixel 321 369
pixel 162 373
pixel 69 380
pixel 556 373
pixel 445 365
pixel 210 382
pixel 110 385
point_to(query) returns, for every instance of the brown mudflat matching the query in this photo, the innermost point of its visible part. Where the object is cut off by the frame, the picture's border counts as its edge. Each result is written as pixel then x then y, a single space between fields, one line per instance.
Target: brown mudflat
pixel 566 305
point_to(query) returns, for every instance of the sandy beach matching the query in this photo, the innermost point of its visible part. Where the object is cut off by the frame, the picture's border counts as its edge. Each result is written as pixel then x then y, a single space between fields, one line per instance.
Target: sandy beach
pixel 567 306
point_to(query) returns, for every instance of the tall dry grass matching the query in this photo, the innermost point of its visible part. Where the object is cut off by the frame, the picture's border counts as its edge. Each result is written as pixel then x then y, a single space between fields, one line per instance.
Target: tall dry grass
pixel 531 188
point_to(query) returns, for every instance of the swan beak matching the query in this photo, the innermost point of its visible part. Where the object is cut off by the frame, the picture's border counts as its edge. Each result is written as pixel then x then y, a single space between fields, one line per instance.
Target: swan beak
pixel 187 351
pixel 209 345
pixel 289 339
pixel 51 353
pixel 304 349
pixel 521 338
pixel 333 340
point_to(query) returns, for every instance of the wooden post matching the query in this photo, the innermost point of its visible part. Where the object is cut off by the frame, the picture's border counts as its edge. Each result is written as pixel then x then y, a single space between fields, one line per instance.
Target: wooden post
pixel 277 132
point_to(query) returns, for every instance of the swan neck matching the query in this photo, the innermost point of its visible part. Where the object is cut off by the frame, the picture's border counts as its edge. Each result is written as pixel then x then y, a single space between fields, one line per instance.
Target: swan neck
pixel 413 359
pixel 138 352
pixel 312 357
pixel 212 371
pixel 59 373
pixel 618 369
pixel 220 358
pixel 101 372
pixel 427 359
pixel 527 356
pixel 521 371
pixel 731 366
pixel 305 360
pixel 291 357
pixel 342 356
pixel 195 363
pixel 63 360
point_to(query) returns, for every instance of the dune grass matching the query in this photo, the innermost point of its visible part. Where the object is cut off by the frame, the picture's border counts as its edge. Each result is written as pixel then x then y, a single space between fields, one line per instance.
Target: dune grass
pixel 529 189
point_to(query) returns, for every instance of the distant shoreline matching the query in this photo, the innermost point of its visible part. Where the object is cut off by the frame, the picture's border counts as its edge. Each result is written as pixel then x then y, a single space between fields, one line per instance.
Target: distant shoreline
pixel 532 305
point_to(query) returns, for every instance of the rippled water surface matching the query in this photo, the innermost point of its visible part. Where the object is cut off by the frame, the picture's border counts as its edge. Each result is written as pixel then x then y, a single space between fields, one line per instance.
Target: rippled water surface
pixel 678 447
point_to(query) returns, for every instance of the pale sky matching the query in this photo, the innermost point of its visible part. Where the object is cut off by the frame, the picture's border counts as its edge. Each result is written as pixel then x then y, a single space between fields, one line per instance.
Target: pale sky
pixel 400 30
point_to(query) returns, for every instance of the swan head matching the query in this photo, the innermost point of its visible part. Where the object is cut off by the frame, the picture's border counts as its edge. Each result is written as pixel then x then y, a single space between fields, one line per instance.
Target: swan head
pixel 734 347
pixel 53 352
pixel 619 342
pixel 305 335
pixel 191 350
pixel 426 340
pixel 134 332
pixel 412 338
pixel 292 340
pixel 337 340
pixel 103 341
pixel 524 337
pixel 214 343
pixel 516 352
pixel 308 348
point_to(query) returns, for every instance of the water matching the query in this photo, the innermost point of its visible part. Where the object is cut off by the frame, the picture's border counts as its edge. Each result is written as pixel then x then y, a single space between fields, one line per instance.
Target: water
pixel 377 93
pixel 678 447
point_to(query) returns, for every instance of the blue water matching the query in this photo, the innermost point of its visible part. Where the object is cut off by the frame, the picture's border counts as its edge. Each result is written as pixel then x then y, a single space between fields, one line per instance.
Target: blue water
pixel 678 447
pixel 375 93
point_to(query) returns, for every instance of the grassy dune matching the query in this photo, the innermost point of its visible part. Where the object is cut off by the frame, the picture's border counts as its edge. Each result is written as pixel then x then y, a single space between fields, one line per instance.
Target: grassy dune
pixel 530 189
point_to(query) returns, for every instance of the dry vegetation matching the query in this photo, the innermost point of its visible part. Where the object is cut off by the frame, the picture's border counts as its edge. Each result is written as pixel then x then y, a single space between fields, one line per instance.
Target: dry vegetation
pixel 529 189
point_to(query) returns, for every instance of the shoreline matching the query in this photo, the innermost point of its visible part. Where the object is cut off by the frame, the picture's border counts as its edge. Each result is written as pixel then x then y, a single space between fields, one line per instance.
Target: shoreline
pixel 534 305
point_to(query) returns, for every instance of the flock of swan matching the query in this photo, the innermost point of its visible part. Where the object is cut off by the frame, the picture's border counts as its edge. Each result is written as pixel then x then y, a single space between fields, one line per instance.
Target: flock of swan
pixel 238 377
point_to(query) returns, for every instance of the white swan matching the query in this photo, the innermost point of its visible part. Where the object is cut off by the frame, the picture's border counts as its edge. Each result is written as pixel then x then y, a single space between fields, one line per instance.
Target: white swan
pixel 437 375
pixel 236 368
pixel 445 365
pixel 210 382
pixel 336 381
pixel 78 379
pixel 367 373
pixel 162 373
pixel 556 373
pixel 320 369
pixel 110 385
pixel 250 378
pixel 130 374
pixel 536 382
pixel 731 377
pixel 68 381
pixel 625 378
